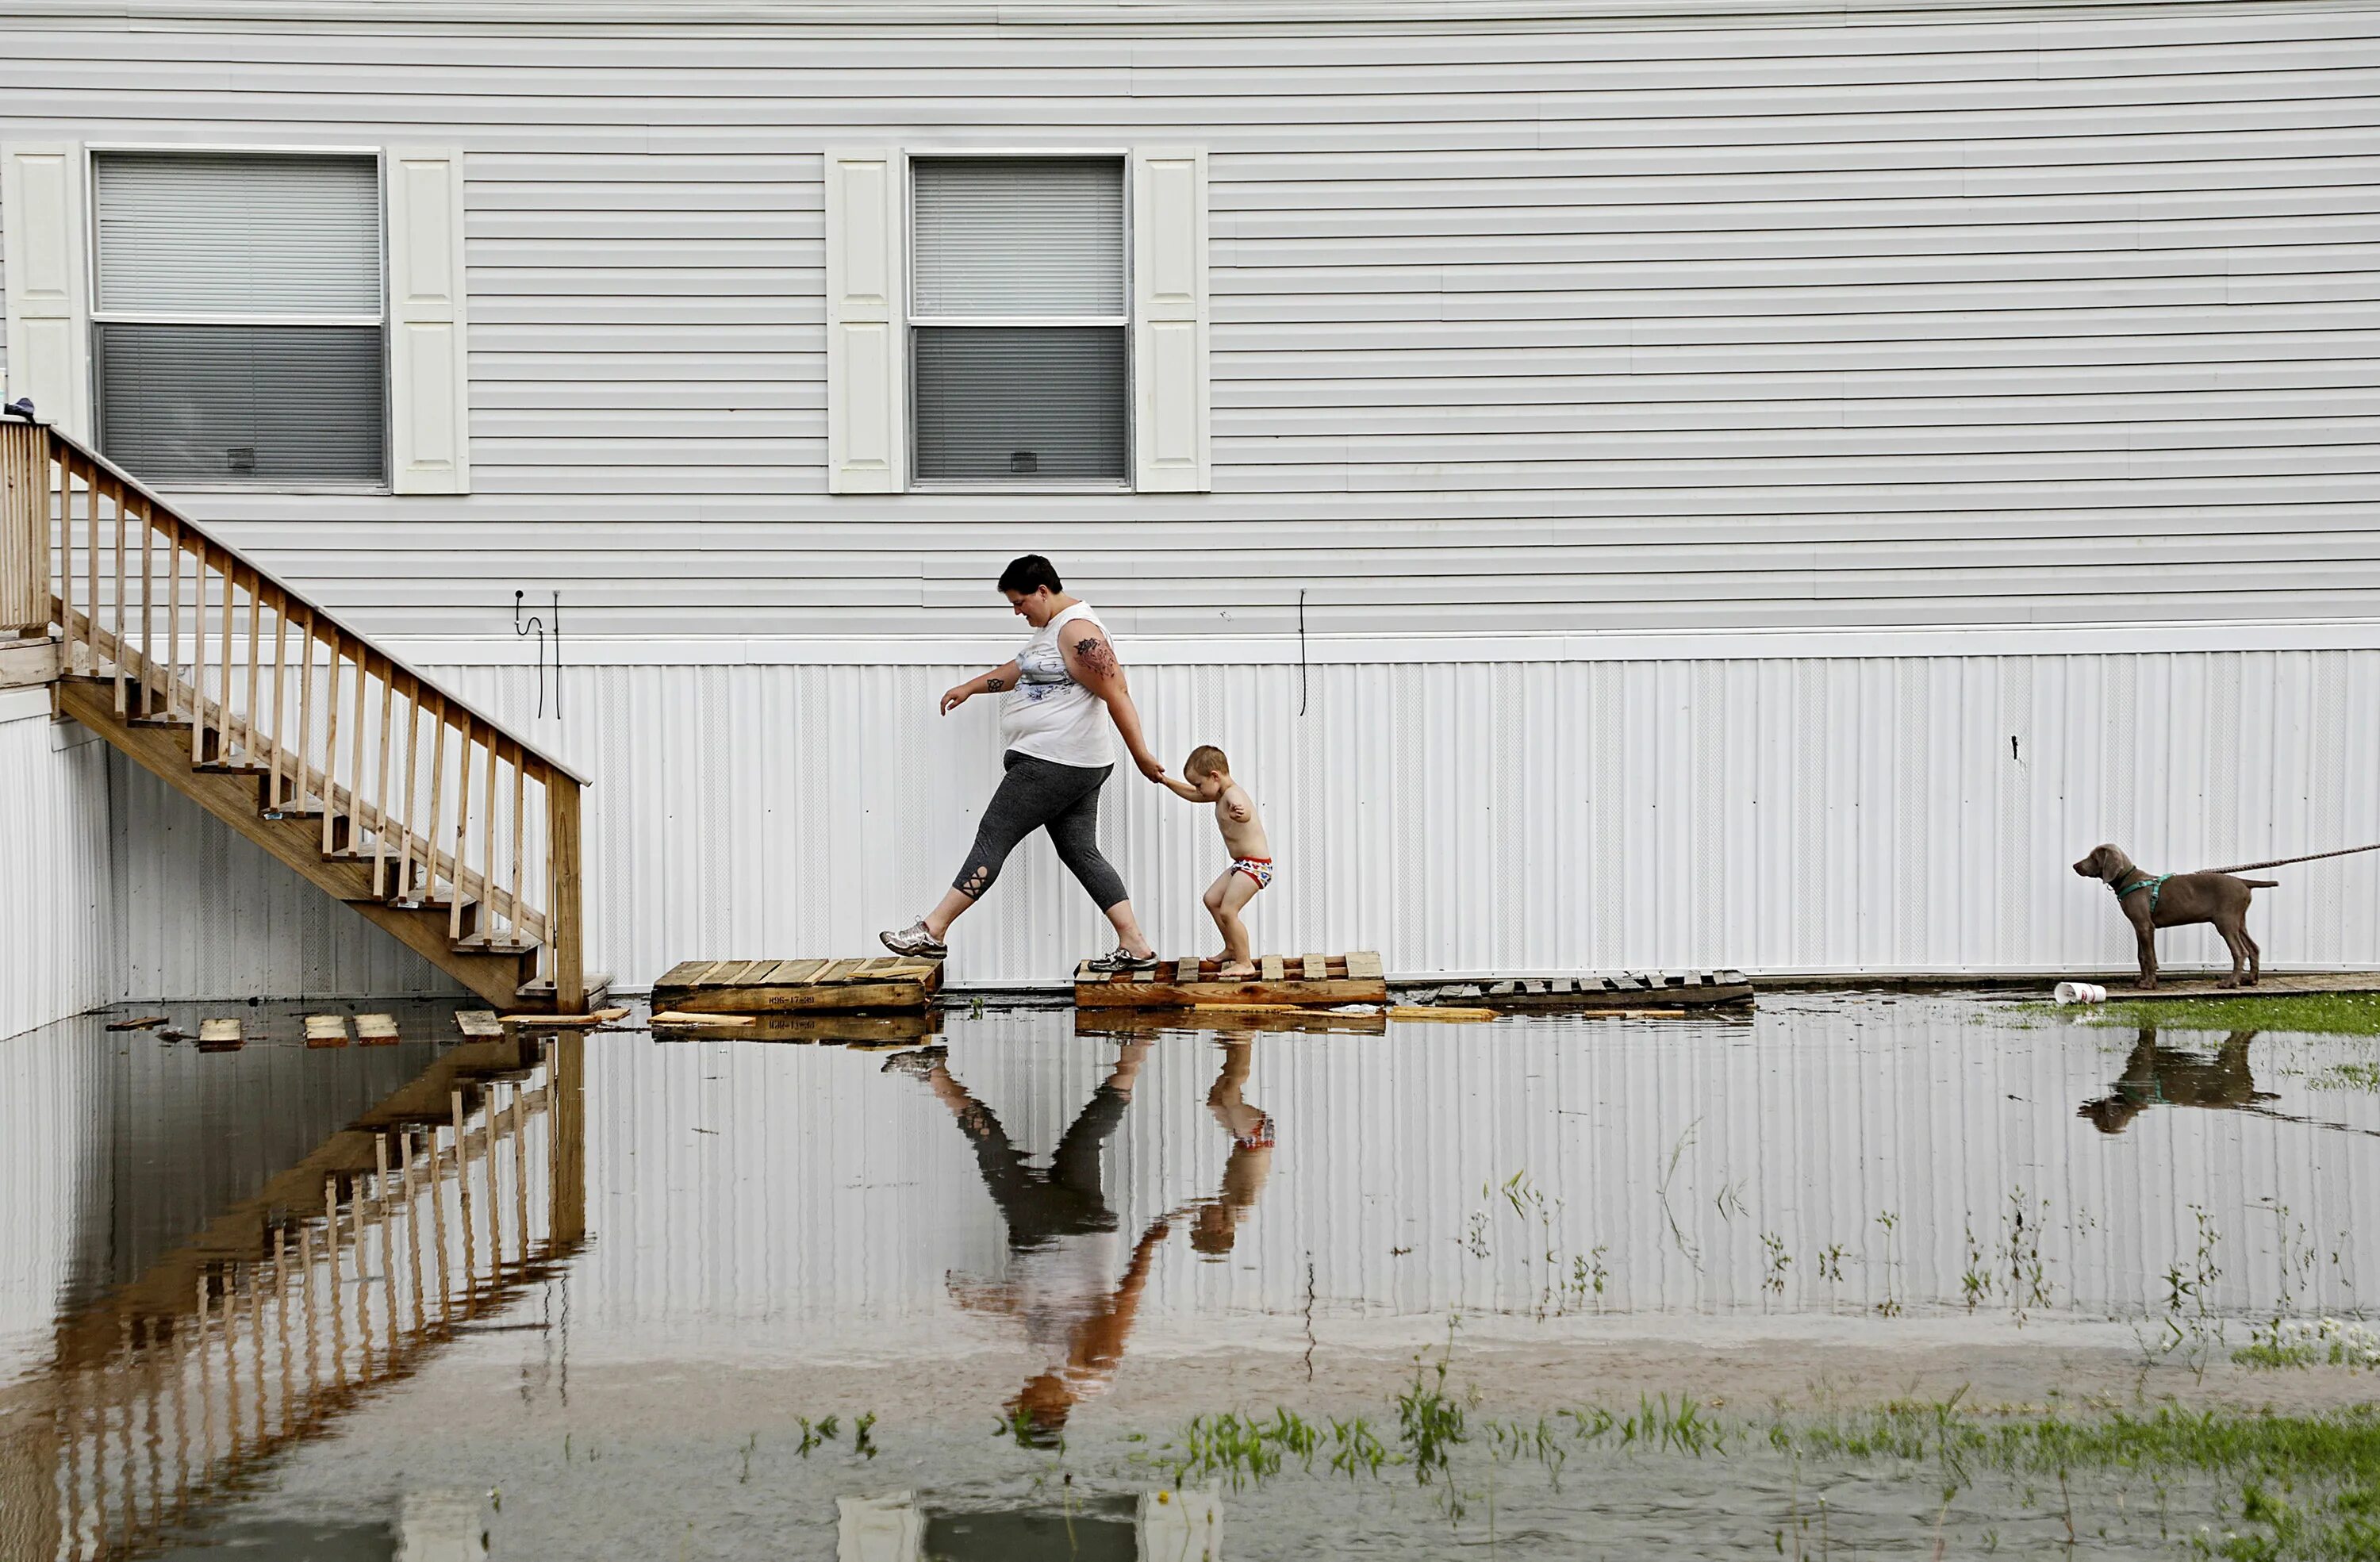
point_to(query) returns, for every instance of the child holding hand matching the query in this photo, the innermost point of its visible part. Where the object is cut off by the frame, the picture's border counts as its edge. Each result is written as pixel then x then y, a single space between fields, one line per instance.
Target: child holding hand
pixel 1206 777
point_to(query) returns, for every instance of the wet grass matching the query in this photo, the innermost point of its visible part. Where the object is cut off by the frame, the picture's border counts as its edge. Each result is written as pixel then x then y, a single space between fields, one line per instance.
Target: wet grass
pixel 2274 1486
pixel 2306 1485
pixel 2303 1013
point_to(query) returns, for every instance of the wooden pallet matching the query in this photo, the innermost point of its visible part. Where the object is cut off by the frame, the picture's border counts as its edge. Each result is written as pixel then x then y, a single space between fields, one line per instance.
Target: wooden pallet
pixel 785 987
pixel 1309 980
pixel 1689 989
pixel 901 1029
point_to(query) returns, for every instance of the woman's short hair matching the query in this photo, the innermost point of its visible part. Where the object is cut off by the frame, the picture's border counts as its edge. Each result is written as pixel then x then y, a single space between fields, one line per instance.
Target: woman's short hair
pixel 1029 574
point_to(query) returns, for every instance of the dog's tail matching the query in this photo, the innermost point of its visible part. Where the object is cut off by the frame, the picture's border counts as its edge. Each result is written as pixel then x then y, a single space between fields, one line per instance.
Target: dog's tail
pixel 2261 883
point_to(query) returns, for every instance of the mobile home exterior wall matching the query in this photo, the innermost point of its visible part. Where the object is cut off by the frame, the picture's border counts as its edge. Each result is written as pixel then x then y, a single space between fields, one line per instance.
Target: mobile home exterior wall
pixel 1709 346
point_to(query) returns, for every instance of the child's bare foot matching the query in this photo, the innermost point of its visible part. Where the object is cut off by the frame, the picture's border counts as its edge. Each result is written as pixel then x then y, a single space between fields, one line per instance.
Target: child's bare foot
pixel 1236 970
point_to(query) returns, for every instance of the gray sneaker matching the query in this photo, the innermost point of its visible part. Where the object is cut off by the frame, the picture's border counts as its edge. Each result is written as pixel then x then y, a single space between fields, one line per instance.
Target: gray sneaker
pixel 1118 961
pixel 915 942
pixel 919 1063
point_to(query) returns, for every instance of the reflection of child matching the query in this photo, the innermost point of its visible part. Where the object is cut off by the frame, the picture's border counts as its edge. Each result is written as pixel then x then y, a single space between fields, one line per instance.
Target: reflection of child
pixel 1216 1224
pixel 1207 779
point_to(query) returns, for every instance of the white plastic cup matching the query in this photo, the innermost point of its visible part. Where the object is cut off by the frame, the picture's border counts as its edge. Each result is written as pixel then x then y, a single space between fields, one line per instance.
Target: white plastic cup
pixel 2080 992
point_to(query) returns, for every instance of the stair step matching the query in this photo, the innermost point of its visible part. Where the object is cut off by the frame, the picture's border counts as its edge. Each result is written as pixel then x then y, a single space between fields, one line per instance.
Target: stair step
pixel 541 991
pixel 500 949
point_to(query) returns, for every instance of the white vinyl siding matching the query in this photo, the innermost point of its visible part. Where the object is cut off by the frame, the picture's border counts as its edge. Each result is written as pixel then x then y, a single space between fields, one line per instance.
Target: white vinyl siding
pixel 1934 317
pixel 239 316
pixel 1016 320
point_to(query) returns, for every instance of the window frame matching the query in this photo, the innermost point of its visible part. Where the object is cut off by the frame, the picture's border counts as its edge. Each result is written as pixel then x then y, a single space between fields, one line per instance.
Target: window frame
pixel 93 152
pixel 911 319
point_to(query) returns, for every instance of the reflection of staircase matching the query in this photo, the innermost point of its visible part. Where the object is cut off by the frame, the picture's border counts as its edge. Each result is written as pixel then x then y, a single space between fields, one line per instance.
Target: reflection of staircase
pixel 351 1269
pixel 370 782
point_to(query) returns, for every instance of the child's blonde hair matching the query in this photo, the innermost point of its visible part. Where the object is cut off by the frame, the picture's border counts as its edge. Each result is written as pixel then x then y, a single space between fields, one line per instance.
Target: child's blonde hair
pixel 1205 760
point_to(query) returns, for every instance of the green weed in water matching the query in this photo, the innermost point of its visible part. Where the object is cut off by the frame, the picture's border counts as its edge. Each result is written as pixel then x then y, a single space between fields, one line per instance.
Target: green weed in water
pixel 2304 1013
pixel 1429 1421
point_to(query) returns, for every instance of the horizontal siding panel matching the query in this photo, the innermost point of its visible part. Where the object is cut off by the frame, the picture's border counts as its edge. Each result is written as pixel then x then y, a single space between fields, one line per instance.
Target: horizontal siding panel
pixel 1557 326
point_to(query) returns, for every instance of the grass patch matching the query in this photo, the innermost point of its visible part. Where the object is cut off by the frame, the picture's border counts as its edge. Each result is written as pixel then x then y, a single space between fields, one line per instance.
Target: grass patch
pixel 2341 1013
pixel 2347 1076
pixel 2308 1485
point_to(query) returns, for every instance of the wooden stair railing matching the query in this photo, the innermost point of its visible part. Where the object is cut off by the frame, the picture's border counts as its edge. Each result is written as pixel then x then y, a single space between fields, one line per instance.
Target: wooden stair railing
pixel 384 789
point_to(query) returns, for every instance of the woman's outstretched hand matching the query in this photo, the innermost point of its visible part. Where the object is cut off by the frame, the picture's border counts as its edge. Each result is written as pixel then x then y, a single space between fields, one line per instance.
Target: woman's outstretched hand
pixel 955 697
pixel 1150 766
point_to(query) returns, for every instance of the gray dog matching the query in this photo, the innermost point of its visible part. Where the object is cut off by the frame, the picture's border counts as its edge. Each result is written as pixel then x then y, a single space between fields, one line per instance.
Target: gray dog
pixel 2176 900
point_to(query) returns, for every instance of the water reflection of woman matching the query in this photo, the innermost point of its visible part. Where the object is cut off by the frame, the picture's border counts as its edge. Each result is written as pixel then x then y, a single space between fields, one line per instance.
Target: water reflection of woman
pixel 1062 1238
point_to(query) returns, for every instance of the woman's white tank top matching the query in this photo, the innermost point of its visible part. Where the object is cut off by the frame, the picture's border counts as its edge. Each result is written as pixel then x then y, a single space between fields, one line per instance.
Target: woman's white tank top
pixel 1048 715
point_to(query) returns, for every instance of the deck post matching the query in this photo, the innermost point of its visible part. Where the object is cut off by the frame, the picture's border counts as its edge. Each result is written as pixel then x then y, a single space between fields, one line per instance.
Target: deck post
pixel 562 921
pixel 24 530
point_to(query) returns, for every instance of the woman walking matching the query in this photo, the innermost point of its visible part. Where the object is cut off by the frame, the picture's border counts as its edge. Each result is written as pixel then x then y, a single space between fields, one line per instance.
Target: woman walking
pixel 1057 698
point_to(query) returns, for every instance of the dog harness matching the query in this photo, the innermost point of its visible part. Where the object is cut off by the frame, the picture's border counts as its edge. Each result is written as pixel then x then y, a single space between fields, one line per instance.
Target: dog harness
pixel 2156 887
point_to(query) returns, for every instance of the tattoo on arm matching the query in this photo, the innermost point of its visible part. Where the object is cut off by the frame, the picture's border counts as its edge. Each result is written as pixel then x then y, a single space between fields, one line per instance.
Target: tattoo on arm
pixel 1099 658
pixel 993 685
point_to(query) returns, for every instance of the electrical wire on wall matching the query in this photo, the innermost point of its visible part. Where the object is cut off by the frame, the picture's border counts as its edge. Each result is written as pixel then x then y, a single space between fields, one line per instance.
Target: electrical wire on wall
pixel 547 631
pixel 1300 650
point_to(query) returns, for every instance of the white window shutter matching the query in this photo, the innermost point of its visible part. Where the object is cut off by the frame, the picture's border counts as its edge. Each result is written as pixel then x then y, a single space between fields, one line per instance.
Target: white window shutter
pixel 48 309
pixel 867 418
pixel 429 361
pixel 1171 441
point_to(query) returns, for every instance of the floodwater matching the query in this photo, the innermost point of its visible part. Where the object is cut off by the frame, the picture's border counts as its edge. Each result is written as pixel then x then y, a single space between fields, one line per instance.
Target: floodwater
pixel 1549 1286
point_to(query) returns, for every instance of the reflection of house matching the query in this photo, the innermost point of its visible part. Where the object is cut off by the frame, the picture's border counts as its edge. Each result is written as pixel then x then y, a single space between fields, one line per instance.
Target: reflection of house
pixel 1634 484
pixel 264 1329
pixel 1160 1526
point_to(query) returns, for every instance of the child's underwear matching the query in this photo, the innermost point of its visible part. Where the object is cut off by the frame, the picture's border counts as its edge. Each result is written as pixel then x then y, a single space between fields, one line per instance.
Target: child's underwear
pixel 1258 868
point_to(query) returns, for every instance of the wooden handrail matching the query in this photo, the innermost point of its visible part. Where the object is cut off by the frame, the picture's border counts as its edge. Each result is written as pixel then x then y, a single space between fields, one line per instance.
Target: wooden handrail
pixel 163 509
pixel 417 840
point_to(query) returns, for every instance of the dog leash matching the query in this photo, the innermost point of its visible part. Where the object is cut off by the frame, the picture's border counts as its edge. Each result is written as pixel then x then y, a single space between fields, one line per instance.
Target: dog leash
pixel 2284 861
pixel 2156 887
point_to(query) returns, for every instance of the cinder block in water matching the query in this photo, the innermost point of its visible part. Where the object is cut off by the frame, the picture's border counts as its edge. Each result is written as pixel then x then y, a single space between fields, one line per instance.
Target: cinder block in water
pixel 1188 1525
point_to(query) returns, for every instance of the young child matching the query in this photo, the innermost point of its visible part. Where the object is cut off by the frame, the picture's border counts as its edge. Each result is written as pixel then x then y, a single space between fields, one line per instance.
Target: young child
pixel 1206 777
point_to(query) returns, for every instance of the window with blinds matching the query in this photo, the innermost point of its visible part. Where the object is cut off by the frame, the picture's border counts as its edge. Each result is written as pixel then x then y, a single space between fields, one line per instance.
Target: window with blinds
pixel 238 325
pixel 1017 317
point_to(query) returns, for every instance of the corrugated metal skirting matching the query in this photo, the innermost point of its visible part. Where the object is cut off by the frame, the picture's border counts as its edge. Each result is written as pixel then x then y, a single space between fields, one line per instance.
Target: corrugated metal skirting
pixel 58 934
pixel 1889 814
pixel 1845 814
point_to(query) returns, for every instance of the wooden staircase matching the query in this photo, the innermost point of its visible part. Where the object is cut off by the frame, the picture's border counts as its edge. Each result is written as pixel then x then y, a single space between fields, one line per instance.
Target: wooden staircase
pixel 383 790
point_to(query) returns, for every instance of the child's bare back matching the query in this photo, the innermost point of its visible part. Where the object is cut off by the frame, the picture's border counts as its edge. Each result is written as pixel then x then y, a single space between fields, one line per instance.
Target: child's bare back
pixel 1207 779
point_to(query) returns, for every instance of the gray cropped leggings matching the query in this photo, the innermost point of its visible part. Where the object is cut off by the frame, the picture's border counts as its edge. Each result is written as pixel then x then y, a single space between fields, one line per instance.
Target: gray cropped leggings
pixel 1042 794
